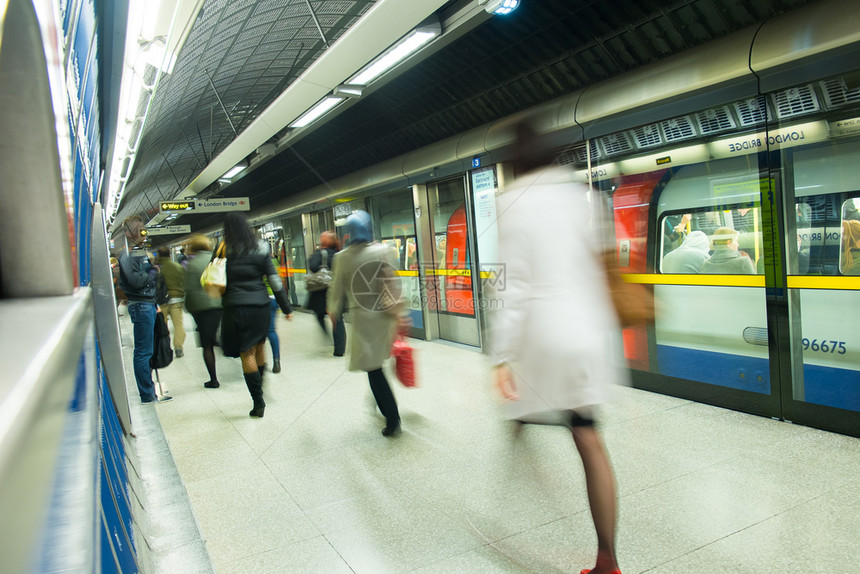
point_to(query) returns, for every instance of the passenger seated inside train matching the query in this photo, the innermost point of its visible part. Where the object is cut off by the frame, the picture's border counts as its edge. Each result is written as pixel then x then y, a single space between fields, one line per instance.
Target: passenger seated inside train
pixel 850 259
pixel 726 259
pixel 689 257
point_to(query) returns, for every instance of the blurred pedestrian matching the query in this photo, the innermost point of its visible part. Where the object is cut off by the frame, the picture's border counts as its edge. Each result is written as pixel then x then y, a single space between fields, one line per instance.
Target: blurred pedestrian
pixel 205 310
pixel 274 341
pixel 245 322
pixel 364 274
pixel 182 259
pixel 553 331
pixel 174 276
pixel 317 299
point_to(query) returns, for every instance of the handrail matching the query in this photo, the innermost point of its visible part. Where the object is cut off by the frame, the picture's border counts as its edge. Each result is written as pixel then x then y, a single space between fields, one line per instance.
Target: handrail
pixel 43 339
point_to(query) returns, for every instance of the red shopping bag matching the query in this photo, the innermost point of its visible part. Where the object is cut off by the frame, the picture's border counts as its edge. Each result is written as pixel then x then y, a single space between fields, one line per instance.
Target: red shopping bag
pixel 404 362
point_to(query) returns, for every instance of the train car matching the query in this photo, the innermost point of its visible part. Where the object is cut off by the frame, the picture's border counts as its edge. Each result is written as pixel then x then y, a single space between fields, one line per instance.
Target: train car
pixel 787 198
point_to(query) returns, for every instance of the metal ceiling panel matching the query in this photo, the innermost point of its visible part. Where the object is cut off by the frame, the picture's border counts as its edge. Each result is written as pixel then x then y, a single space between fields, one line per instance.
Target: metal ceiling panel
pixel 370 36
pixel 547 49
pixel 832 27
pixel 721 61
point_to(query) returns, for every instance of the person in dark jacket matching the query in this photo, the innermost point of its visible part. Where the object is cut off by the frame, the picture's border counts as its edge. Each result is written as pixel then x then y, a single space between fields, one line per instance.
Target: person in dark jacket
pixel 245 322
pixel 206 310
pixel 317 299
pixel 137 280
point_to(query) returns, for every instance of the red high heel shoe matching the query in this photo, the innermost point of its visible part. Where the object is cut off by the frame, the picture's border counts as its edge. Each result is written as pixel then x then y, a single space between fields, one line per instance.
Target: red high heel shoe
pixel 588 571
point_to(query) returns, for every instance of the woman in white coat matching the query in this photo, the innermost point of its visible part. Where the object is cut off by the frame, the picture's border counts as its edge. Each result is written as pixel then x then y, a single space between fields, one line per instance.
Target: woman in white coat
pixel 552 333
pixel 364 272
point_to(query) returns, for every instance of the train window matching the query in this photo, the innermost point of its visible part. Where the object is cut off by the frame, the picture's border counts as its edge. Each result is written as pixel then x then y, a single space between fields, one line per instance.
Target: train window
pixel 722 241
pixel 395 223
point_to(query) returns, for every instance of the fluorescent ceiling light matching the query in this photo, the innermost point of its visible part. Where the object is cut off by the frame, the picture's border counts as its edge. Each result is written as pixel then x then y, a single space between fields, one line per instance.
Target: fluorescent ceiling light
pixel 316 112
pixel 235 170
pixel 401 51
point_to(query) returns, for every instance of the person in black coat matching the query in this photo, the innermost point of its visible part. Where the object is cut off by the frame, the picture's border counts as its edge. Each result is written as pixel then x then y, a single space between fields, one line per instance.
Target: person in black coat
pixel 317 299
pixel 246 317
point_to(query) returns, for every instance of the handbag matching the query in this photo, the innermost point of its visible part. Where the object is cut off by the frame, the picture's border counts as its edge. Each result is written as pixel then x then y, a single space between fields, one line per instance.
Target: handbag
pixel 214 277
pixel 404 361
pixel 634 303
pixel 321 278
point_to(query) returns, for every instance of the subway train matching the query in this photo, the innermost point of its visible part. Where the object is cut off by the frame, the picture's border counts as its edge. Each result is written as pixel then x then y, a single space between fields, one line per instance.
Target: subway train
pixel 750 132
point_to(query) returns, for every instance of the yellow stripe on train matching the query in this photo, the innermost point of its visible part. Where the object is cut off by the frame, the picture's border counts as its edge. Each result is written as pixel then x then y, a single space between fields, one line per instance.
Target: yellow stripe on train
pixel 704 280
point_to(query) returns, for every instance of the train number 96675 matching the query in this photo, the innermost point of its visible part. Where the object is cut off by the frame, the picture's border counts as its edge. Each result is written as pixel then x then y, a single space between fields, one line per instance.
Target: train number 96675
pixel 824 346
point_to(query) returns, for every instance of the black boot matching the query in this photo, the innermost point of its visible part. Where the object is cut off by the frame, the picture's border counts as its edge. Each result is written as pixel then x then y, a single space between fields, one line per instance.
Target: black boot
pixel 276 367
pixel 255 387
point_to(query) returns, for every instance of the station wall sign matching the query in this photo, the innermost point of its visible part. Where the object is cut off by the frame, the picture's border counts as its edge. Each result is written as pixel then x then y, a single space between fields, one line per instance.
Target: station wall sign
pixel 169 230
pixel 206 205
pixel 224 204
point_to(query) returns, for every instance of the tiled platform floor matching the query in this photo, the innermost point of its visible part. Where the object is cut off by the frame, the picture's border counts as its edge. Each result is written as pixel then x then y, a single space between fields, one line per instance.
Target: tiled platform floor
pixel 315 488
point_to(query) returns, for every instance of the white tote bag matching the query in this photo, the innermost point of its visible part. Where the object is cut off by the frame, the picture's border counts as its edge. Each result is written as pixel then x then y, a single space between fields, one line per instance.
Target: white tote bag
pixel 214 277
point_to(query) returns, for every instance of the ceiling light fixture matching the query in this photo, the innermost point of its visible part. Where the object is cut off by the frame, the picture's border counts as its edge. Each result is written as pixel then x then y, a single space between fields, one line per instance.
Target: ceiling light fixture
pixel 316 111
pixel 235 170
pixel 422 34
pixel 500 7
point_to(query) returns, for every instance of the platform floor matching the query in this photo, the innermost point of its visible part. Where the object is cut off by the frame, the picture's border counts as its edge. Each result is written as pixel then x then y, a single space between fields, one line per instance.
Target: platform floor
pixel 313 487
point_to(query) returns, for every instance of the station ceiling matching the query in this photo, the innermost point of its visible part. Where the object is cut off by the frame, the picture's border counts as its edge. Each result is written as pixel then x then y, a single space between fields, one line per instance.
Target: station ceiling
pixel 241 55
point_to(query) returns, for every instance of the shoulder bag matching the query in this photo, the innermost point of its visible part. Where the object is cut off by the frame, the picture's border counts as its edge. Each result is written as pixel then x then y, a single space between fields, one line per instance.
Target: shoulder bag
pixel 214 277
pixel 634 303
pixel 321 278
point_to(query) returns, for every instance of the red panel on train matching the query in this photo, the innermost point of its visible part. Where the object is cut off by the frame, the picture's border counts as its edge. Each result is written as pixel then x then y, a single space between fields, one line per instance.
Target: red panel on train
pixel 458 289
pixel 631 202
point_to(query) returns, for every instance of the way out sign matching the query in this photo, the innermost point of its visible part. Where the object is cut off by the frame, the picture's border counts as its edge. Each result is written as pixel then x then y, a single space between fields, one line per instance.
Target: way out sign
pixel 206 205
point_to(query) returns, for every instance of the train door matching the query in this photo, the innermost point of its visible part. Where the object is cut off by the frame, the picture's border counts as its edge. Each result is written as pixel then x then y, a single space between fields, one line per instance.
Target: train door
pixel 394 225
pixel 820 343
pixel 291 257
pixel 448 264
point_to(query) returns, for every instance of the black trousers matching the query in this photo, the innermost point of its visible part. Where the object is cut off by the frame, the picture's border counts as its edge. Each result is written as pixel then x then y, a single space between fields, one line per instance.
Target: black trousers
pixel 384 397
pixel 316 301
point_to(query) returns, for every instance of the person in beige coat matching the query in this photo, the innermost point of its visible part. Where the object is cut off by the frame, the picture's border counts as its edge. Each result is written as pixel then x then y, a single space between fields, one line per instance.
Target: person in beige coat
pixel 553 335
pixel 364 273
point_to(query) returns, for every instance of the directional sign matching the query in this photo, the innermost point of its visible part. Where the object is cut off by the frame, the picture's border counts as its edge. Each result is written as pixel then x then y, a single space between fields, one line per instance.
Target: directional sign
pixel 207 205
pixel 168 230
pixel 176 206
pixel 223 204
